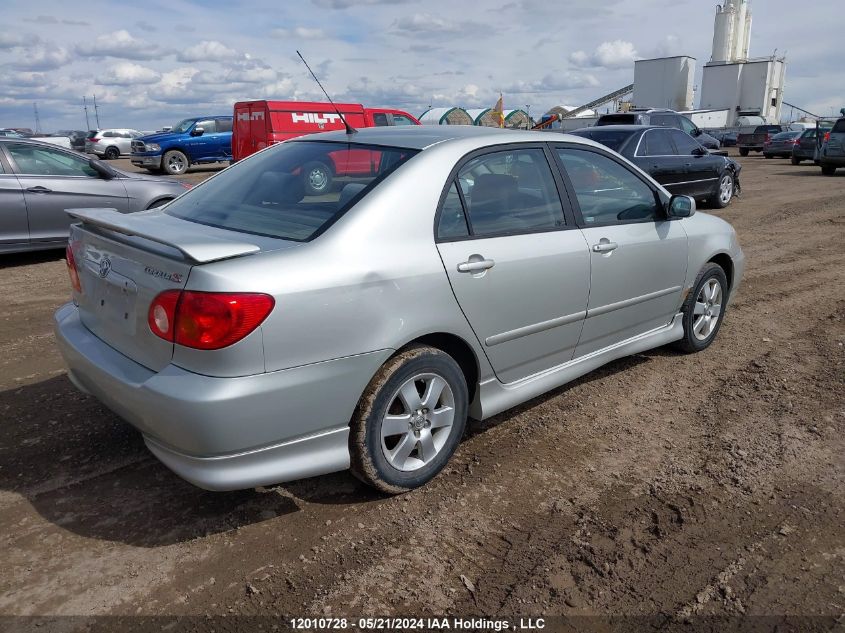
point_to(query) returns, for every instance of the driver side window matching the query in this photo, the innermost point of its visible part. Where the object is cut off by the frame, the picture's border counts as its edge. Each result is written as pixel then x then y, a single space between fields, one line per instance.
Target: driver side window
pixel 607 192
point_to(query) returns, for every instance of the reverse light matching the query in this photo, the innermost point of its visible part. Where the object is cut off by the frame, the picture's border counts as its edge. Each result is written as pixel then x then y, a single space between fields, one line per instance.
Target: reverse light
pixel 72 271
pixel 207 320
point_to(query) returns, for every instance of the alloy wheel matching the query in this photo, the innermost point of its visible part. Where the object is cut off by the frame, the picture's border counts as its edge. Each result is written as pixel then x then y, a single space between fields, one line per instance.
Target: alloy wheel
pixel 418 422
pixel 726 189
pixel 175 163
pixel 708 309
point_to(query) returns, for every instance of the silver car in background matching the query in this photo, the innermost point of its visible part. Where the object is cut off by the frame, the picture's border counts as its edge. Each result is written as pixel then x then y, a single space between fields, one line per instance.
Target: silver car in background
pixel 38 181
pixel 255 334
pixel 111 144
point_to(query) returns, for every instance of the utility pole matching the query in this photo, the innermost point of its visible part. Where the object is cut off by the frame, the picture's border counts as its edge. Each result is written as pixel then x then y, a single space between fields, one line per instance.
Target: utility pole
pixel 37 119
pixel 96 112
pixel 85 106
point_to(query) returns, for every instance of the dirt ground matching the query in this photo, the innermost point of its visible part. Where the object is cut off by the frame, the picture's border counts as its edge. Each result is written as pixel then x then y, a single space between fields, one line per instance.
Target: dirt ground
pixel 661 485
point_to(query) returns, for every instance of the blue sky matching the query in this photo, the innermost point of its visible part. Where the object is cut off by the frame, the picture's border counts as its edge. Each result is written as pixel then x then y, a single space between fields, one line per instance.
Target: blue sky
pixel 151 63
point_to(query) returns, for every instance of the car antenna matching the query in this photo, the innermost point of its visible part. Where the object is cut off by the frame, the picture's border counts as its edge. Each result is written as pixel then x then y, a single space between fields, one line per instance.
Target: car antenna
pixel 349 129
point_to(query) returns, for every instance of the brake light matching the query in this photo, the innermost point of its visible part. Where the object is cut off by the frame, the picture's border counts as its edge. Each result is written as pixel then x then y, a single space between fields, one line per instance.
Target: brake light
pixel 207 320
pixel 72 271
pixel 796 141
pixel 826 137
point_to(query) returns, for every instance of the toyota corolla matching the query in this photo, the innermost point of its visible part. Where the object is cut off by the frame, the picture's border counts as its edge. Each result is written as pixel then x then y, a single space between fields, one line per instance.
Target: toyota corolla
pixel 256 334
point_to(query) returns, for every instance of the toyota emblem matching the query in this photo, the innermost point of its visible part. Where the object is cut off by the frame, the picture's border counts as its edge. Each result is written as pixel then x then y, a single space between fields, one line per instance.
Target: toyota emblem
pixel 105 267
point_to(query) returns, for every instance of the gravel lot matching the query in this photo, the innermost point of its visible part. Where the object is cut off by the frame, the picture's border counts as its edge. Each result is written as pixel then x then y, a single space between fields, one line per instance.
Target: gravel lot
pixel 661 484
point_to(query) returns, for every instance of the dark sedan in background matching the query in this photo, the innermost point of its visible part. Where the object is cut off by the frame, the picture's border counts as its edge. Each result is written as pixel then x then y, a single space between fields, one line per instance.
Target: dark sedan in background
pixel 807 145
pixel 38 181
pixel 780 145
pixel 674 159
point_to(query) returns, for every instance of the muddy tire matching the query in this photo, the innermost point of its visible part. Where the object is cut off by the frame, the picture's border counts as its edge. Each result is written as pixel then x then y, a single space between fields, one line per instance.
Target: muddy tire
pixel 704 309
pixel 409 420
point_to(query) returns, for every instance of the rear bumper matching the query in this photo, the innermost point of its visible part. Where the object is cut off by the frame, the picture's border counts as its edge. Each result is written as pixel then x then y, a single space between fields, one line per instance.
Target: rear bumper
pixel 153 161
pixel 832 161
pixel 225 433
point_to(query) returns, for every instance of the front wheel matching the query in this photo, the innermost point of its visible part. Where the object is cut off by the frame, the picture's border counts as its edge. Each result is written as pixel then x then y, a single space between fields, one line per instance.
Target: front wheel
pixel 743 151
pixel 704 309
pixel 726 190
pixel 112 153
pixel 409 420
pixel 175 163
pixel 828 170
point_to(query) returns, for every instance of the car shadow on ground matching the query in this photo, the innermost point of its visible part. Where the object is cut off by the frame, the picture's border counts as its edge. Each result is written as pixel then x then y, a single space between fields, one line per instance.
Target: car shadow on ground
pixel 87 471
pixel 815 173
pixel 34 257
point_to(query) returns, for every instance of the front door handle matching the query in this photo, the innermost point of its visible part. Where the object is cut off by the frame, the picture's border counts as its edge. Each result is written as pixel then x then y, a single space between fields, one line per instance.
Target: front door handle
pixel 605 246
pixel 39 189
pixel 476 264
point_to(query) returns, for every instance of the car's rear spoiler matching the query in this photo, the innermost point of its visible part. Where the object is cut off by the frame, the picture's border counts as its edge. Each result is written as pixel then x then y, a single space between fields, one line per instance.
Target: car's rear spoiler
pixel 155 226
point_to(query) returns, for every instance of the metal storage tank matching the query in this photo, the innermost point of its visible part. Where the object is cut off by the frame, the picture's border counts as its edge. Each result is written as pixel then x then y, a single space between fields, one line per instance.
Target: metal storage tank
pixel 445 116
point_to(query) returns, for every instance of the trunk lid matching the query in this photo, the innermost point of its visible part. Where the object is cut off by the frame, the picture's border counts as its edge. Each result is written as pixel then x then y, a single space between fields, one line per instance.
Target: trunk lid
pixel 125 260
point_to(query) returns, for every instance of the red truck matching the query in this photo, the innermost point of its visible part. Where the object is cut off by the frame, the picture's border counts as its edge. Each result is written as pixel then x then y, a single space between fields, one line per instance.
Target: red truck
pixel 262 123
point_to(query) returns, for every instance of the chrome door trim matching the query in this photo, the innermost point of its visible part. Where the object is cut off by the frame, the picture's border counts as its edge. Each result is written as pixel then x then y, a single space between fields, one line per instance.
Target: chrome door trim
pixel 534 328
pixel 610 307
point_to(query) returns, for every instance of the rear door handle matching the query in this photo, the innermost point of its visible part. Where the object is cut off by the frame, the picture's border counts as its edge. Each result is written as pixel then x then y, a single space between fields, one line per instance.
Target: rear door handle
pixel 605 247
pixel 39 189
pixel 475 265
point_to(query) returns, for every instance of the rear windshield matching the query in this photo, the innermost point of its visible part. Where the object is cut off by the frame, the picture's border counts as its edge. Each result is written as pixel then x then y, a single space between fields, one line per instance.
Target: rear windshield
pixel 785 135
pixel 293 191
pixel 617 119
pixel 613 139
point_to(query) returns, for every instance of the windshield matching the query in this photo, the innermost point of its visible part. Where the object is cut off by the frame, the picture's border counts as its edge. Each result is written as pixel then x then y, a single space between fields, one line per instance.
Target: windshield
pixel 183 126
pixel 293 191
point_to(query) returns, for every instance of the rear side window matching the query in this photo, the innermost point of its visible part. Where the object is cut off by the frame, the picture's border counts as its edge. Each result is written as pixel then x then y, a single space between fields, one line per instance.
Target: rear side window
pixel 617 119
pixel 510 192
pixel 401 119
pixel 839 127
pixel 453 221
pixel 292 191
pixel 607 192
pixel 380 119
pixel 663 120
pixel 224 125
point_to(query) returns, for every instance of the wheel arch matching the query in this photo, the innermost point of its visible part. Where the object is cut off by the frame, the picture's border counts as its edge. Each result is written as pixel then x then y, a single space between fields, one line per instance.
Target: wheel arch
pixel 177 148
pixel 724 261
pixel 457 348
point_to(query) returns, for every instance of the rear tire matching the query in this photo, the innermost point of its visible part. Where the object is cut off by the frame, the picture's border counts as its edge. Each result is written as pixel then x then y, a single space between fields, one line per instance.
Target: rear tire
pixel 828 170
pixel 409 420
pixel 704 309
pixel 796 160
pixel 112 153
pixel 769 156
pixel 317 178
pixel 743 151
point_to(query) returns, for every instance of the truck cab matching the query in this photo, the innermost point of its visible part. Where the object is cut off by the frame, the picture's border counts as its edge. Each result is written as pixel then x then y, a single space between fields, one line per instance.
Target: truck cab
pixel 192 141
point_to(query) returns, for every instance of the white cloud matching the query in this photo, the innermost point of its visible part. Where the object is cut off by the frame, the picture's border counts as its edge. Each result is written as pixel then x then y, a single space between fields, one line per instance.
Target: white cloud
pixel 119 44
pixel 128 74
pixel 426 23
pixel 15 40
pixel 300 32
pixel 208 51
pixel 42 57
pixel 615 54
pixel 345 4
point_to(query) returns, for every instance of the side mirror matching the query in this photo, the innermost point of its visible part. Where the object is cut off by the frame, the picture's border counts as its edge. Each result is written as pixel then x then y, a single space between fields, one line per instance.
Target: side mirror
pixel 681 207
pixel 103 171
pixel 700 151
pixel 696 132
pixel 197 131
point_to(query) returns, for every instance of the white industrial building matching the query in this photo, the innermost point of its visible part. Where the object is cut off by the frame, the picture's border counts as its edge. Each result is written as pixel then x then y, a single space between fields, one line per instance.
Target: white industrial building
pixel 731 80
pixel 665 82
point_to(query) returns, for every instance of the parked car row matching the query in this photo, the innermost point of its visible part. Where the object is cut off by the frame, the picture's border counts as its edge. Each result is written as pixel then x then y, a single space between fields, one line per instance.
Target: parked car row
pixel 660 118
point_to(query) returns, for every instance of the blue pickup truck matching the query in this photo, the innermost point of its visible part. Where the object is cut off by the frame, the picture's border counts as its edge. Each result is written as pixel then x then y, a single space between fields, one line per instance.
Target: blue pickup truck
pixel 196 140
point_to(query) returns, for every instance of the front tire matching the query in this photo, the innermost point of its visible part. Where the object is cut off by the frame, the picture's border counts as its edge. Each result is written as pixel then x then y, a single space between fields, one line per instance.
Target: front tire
pixel 409 420
pixel 796 160
pixel 743 151
pixel 725 192
pixel 704 309
pixel 175 162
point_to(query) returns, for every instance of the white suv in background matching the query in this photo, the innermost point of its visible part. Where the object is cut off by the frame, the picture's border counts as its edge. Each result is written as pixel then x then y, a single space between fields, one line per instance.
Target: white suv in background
pixel 111 144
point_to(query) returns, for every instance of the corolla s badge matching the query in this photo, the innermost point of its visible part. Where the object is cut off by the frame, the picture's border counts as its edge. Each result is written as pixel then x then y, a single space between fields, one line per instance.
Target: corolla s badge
pixel 105 267
pixel 155 272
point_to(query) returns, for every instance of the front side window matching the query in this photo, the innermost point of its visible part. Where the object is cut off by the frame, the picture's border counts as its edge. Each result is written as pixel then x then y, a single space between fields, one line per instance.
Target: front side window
pixel 687 125
pixel 208 126
pixel 33 160
pixel 663 120
pixel 607 192
pixel 510 192
pixel 686 144
pixel 401 119
pixel 273 193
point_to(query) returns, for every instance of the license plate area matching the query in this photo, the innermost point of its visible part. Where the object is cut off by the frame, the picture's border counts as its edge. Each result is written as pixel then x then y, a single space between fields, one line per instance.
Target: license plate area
pixel 112 295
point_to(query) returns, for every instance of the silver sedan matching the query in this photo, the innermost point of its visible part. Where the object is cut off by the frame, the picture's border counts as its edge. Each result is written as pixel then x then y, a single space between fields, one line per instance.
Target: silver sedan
pixel 256 334
pixel 38 181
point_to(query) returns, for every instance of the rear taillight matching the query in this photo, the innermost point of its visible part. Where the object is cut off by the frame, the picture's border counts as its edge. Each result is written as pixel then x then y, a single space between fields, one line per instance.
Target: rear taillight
pixel 768 138
pixel 796 141
pixel 826 137
pixel 72 271
pixel 207 320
